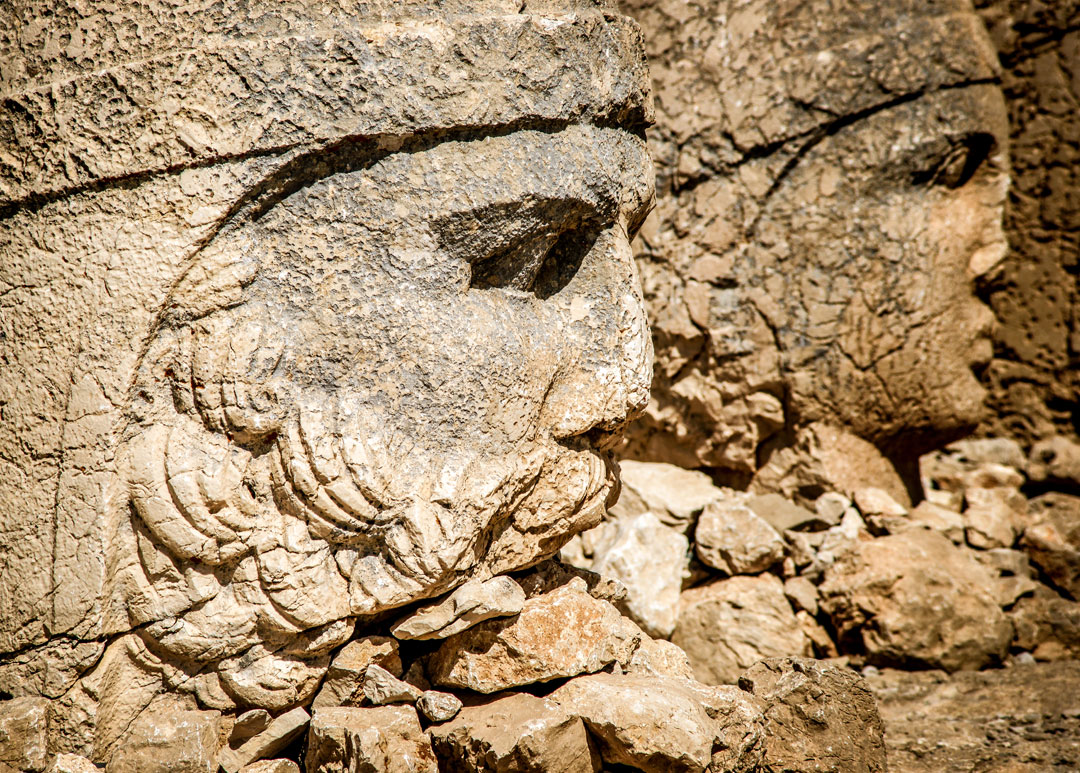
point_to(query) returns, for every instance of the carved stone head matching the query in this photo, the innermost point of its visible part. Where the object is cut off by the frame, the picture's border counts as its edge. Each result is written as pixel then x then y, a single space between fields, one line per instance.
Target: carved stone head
pixel 346 314
pixel 831 182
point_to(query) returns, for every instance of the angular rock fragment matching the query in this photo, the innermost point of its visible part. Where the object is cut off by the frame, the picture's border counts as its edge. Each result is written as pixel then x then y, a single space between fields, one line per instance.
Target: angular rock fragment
pixel 915 598
pixel 563 633
pixel 23 734
pixel 271 766
pixel 1053 539
pixel 728 625
pixel 169 740
pixel 1047 626
pixel 345 678
pixel 386 739
pixel 662 724
pixel 248 724
pixel 802 593
pixel 1012 571
pixel 651 560
pixel 278 734
pixel 382 687
pixel 514 733
pixel 553 573
pixel 473 602
pixel 72 763
pixel 438 706
pixel 942 519
pixel 656 657
pixel 875 501
pixel 731 537
pixel 782 514
pixel 993 516
pixel 818 718
pixel 674 494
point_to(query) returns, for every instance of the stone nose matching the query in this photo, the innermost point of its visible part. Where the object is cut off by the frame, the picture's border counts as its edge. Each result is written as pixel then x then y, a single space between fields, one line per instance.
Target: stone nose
pixel 607 364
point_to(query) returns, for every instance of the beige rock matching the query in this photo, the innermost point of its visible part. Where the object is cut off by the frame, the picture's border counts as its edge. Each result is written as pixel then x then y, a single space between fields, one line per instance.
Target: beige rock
pixel 564 633
pixel 271 766
pixel 831 507
pixel 344 682
pixel 941 519
pixel 993 516
pixel 71 763
pixel 438 706
pixel 1055 458
pixel 728 625
pixel 674 494
pixel 551 574
pixel 915 598
pixel 731 537
pixel 1053 539
pixel 514 732
pixel 1047 626
pixel 248 724
pixel 663 724
pixel 651 561
pixel 169 741
pixel 783 514
pixel 277 735
pixel 802 593
pixel 818 718
pixel 1011 568
pixel 382 687
pixel 875 501
pixel 657 657
pixel 473 602
pixel 383 738
pixel 23 734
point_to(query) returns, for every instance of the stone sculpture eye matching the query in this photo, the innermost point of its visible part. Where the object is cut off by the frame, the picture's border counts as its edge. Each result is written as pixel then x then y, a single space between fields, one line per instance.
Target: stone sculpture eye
pixel 959 163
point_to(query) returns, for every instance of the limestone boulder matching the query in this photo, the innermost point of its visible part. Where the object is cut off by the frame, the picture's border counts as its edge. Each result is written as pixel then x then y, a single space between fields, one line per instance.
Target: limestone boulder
pixel 1047 626
pixel 387 739
pixel 512 733
pixel 344 681
pixel 438 706
pixel 657 657
pixel 169 741
pixel 1053 539
pixel 819 718
pixel 651 560
pixel 939 518
pixel 72 763
pixel 659 724
pixel 473 602
pixel 994 516
pixel 560 634
pixel 381 687
pixel 674 494
pixel 732 538
pixel 728 625
pixel 554 573
pixel 268 742
pixel 915 598
pixel 24 734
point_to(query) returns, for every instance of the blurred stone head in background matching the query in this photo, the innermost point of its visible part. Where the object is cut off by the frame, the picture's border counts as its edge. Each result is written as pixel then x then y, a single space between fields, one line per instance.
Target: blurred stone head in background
pixel 831 178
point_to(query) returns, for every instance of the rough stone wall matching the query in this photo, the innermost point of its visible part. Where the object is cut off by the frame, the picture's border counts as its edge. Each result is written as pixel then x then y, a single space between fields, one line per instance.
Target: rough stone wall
pixel 1033 379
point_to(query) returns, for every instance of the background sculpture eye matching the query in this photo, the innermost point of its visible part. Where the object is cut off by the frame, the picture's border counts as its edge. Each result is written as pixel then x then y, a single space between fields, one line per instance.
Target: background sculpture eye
pixel 959 163
pixel 544 264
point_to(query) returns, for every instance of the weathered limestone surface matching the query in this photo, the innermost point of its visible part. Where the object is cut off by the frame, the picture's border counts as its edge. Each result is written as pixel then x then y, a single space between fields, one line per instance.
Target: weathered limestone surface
pixel 383 738
pixel 306 314
pixel 829 183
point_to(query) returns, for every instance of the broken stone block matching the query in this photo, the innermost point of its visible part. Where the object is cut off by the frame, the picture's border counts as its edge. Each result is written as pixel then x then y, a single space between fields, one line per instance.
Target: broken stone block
pixel 802 594
pixel 674 494
pixel 345 679
pixel 818 718
pixel 657 657
pixel 271 766
pixel 23 726
pixel 651 560
pixel 72 763
pixel 169 740
pixel 783 514
pixel 553 573
pixel 514 732
pixel 1053 539
pixel 382 687
pixel 993 516
pixel 662 724
pixel 875 501
pixel 1012 571
pixel 278 734
pixel 731 537
pixel 942 519
pixel 563 633
pixel 915 598
pixel 1047 626
pixel 473 602
pixel 728 625
pixel 438 706
pixel 248 724
pixel 1055 459
pixel 387 739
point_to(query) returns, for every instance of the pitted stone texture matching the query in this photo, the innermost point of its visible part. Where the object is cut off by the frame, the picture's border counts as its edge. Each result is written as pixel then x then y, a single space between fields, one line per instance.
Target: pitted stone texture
pixel 512 733
pixel 658 724
pixel 383 739
pixel 767 304
pixel 23 734
pixel 169 740
pixel 377 342
pixel 914 598
pixel 731 537
pixel 472 603
pixel 728 625
pixel 818 718
pixel 563 633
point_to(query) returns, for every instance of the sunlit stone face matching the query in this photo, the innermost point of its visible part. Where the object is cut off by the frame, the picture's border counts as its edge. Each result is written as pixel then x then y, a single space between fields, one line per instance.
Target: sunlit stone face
pixel 395 375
